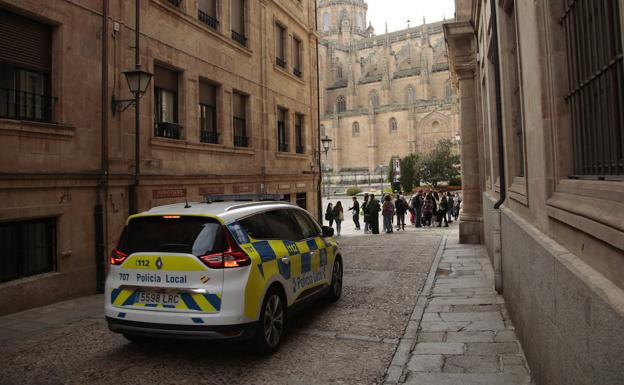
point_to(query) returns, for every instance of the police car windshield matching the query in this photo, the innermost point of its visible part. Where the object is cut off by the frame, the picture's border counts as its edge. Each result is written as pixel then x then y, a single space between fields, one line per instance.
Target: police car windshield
pixel 174 234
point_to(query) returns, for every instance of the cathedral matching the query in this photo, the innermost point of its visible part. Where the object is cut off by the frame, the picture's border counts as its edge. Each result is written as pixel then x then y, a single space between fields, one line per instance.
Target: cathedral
pixel 382 96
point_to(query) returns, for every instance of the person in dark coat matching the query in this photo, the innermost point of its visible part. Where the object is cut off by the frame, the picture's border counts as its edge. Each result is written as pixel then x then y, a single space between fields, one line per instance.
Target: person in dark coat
pixel 442 208
pixel 329 214
pixel 373 210
pixel 366 216
pixel 356 212
pixel 417 203
pixel 401 209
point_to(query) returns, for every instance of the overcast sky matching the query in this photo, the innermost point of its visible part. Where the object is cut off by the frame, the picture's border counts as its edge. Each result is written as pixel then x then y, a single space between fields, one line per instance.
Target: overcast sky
pixel 397 12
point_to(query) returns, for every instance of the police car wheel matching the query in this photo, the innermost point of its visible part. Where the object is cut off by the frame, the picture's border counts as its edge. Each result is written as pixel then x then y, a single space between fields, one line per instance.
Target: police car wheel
pixel 136 339
pixel 271 323
pixel 335 290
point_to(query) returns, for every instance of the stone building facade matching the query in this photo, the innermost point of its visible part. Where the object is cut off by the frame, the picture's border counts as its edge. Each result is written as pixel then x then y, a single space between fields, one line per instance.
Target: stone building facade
pixel 221 115
pixel 382 96
pixel 541 101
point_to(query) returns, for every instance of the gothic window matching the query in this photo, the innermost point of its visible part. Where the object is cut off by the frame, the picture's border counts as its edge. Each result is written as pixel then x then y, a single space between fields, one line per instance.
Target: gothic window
pixel 326 22
pixel 344 15
pixel 410 95
pixel 394 127
pixel 341 104
pixel 360 21
pixel 322 130
pixel 435 126
pixel 355 130
pixel 373 99
pixel 339 71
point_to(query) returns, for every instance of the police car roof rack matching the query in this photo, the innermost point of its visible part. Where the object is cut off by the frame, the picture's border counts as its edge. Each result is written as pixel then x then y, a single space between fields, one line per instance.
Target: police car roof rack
pixel 210 198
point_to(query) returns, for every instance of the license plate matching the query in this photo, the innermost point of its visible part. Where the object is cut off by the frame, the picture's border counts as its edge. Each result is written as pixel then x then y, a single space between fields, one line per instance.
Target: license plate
pixel 154 298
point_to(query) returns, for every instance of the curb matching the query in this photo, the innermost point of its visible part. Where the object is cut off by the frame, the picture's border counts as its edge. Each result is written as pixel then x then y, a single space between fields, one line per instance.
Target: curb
pixel 394 373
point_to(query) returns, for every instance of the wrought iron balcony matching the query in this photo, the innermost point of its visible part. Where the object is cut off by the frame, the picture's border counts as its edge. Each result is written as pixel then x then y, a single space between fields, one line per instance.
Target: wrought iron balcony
pixel 175 3
pixel 282 147
pixel 16 104
pixel 241 141
pixel 207 19
pixel 297 72
pixel 168 130
pixel 209 137
pixel 239 38
pixel 280 62
pixel 299 149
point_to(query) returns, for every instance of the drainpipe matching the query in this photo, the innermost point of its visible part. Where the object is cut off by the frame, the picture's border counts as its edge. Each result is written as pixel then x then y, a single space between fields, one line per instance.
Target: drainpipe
pixel 99 214
pixel 497 244
pixel 319 193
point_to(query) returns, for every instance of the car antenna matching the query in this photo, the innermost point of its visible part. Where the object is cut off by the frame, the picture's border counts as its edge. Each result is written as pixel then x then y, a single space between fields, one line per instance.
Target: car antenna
pixel 186 205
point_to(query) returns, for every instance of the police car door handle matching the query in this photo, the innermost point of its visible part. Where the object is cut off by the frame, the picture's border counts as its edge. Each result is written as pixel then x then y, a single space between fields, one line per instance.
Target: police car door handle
pixel 285 260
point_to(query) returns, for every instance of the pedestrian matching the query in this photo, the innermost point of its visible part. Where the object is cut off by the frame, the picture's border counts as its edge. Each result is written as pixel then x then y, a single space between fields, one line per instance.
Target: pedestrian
pixel 373 210
pixel 387 212
pixel 456 205
pixel 338 216
pixel 410 208
pixel 442 208
pixel 417 202
pixel 356 212
pixel 449 211
pixel 401 208
pixel 364 212
pixel 329 214
pixel 427 210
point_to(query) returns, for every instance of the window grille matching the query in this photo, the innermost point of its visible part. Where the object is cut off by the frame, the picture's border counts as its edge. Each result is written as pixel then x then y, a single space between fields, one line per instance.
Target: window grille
pixel 596 87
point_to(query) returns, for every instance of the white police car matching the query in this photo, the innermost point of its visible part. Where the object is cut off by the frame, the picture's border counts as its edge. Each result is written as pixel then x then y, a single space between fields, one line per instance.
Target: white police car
pixel 222 270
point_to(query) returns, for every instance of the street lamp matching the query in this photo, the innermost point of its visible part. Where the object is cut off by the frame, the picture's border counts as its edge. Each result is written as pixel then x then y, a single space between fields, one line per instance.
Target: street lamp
pixel 138 81
pixel 381 175
pixel 326 142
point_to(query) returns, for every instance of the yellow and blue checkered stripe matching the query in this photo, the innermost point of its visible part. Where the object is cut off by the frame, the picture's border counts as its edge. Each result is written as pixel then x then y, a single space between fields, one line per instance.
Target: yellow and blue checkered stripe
pixel 204 303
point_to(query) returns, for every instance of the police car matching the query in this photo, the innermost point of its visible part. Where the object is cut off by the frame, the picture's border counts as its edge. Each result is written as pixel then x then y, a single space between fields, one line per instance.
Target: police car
pixel 219 270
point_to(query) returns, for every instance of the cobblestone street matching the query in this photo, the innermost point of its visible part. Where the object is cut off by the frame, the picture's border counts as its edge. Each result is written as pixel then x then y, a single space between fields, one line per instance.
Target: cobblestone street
pixel 350 342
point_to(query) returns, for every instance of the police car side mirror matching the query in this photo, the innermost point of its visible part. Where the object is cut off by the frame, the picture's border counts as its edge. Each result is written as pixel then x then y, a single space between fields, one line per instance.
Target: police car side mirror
pixel 328 231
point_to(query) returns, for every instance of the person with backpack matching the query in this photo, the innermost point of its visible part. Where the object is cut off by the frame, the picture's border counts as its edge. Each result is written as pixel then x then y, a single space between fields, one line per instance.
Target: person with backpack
pixel 338 217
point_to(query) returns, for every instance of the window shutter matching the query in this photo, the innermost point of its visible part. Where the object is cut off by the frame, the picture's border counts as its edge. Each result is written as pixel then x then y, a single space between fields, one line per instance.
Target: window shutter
pixel 165 79
pixel 207 94
pixel 24 42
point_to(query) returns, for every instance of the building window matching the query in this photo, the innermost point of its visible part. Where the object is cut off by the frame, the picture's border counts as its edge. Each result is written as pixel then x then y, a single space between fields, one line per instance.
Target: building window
pixel 326 22
pixel 25 63
pixel 239 117
pixel 207 13
pixel 322 130
pixel 344 15
pixel 373 99
pixel 355 129
pixel 341 104
pixel 302 200
pixel 282 137
pixel 393 126
pixel 238 21
pixel 27 248
pixel 285 198
pixel 297 53
pixel 596 94
pixel 338 71
pixel 410 95
pixel 175 3
pixel 208 132
pixel 166 103
pixel 280 46
pixel 299 134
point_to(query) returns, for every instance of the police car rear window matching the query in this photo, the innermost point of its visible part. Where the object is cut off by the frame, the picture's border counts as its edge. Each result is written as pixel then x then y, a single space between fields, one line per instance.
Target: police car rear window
pixel 174 234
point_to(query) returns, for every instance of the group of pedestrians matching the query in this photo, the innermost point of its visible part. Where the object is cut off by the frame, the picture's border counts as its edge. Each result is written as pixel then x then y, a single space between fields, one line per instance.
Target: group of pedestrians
pixel 426 209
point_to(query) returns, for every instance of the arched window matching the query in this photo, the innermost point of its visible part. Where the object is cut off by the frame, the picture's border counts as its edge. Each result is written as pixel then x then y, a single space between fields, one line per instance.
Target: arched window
pixel 341 104
pixel 339 71
pixel 410 95
pixel 435 126
pixel 360 21
pixel 394 127
pixel 373 99
pixel 326 21
pixel 322 130
pixel 355 129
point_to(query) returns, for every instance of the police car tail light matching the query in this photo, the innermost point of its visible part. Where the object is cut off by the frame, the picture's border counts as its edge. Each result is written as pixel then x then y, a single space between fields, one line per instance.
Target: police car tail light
pixel 117 257
pixel 232 257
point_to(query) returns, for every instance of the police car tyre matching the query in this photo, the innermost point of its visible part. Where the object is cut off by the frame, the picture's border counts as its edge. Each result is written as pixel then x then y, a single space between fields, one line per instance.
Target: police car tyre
pixel 271 322
pixel 335 290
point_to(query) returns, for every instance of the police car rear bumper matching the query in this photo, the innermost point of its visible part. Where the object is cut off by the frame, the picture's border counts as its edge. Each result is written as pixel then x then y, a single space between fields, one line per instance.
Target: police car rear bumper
pixel 209 332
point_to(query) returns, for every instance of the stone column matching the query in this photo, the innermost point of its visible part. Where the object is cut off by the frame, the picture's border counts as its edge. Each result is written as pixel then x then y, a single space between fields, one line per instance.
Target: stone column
pixel 462 55
pixel 372 142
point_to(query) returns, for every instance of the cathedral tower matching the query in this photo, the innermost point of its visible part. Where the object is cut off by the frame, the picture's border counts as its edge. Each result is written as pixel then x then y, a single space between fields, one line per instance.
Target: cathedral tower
pixel 343 20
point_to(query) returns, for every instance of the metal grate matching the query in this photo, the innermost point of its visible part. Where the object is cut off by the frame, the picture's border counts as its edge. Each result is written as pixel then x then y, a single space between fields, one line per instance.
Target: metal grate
pixel 16 104
pixel 239 38
pixel 207 19
pixel 175 3
pixel 297 72
pixel 596 80
pixel 209 137
pixel 280 62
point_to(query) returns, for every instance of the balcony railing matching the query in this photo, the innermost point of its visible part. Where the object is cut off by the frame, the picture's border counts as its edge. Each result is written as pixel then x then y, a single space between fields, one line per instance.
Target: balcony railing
pixel 241 141
pixel 209 137
pixel 207 19
pixel 175 3
pixel 282 147
pixel 280 62
pixel 239 38
pixel 299 149
pixel 16 104
pixel 168 130
pixel 297 72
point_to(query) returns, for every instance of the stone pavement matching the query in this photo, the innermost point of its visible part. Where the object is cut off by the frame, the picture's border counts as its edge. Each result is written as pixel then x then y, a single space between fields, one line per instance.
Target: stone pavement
pixel 459 332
